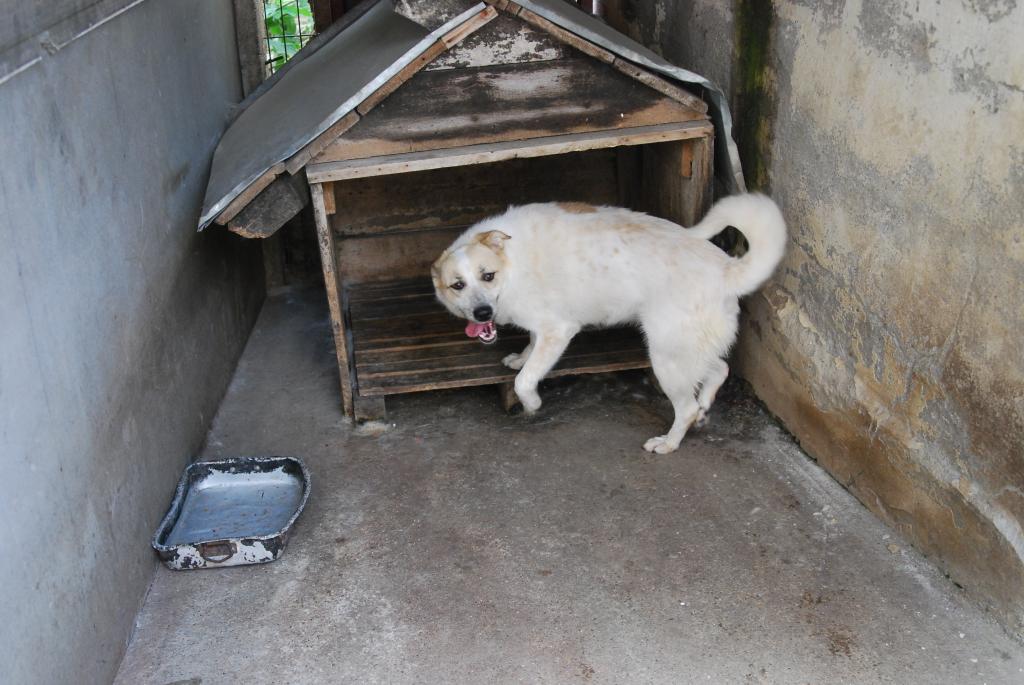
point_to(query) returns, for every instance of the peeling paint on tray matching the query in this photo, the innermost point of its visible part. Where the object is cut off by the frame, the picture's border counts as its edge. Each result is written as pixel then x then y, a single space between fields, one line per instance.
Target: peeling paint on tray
pixel 216 518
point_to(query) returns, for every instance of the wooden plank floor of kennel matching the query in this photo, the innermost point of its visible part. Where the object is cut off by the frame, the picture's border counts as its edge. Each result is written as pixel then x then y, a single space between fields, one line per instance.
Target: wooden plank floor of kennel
pixel 383 218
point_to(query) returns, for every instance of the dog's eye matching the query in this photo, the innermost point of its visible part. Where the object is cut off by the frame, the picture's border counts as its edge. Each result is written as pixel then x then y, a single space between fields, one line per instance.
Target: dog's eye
pixel 458 285
pixel 489 276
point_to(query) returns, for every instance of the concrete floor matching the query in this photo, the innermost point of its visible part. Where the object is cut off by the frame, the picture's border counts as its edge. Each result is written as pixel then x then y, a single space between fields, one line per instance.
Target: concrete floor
pixel 465 546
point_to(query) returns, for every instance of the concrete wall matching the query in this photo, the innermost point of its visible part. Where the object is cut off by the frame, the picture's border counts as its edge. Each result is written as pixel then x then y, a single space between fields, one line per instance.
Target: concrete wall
pixel 120 325
pixel 892 133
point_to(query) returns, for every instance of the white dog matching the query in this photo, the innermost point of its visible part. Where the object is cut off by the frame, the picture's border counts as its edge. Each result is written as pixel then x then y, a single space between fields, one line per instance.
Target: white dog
pixel 554 268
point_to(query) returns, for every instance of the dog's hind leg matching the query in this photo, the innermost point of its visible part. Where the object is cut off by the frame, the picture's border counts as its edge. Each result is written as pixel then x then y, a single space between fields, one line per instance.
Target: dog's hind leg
pixel 678 376
pixel 516 361
pixel 547 350
pixel 716 375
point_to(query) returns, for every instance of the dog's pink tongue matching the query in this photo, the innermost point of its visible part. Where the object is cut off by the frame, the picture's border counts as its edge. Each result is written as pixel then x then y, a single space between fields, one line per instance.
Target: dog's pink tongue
pixel 476 330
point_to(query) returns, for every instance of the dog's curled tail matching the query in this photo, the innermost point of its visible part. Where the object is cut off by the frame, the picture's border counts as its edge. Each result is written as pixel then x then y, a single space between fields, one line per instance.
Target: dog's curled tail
pixel 761 222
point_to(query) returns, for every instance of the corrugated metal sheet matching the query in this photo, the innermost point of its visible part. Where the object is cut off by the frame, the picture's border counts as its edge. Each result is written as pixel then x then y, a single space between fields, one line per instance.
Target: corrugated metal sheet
pixel 727 157
pixel 317 92
pixel 333 80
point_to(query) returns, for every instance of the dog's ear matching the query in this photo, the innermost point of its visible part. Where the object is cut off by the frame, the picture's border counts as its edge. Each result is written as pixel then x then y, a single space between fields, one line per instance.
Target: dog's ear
pixel 493 239
pixel 435 268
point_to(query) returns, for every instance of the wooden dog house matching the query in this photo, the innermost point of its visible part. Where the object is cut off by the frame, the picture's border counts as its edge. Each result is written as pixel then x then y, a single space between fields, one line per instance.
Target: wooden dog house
pixel 402 133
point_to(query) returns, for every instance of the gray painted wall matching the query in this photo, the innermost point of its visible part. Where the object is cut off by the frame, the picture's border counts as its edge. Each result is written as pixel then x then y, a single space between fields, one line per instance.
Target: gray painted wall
pixel 892 133
pixel 120 325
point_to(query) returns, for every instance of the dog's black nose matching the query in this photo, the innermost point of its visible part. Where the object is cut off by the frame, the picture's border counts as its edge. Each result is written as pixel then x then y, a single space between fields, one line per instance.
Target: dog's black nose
pixel 483 313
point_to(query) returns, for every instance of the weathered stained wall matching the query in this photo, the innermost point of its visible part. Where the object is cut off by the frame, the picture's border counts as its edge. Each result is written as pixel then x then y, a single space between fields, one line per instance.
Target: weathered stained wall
pixel 119 325
pixel 892 134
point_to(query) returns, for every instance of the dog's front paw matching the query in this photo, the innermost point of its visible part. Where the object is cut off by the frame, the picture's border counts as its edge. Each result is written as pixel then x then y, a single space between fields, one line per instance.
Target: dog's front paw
pixel 661 444
pixel 514 361
pixel 528 397
pixel 531 402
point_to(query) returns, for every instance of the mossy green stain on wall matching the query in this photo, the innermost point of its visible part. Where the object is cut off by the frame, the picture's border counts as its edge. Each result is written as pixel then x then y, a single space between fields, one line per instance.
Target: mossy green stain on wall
pixel 753 96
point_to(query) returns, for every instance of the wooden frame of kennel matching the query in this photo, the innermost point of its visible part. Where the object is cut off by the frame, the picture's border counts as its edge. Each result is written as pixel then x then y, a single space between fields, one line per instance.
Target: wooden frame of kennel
pixel 432 151
pixel 392 337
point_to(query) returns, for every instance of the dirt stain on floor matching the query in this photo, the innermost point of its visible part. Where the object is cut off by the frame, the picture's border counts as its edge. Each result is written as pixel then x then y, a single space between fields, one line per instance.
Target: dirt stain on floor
pixel 840 642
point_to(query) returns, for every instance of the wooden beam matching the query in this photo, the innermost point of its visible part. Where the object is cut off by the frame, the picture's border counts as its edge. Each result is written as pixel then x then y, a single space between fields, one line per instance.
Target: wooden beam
pixel 508 397
pixel 455 36
pixel 699 185
pixel 677 180
pixel 369 408
pixel 329 200
pixel 497 152
pixel 332 282
pixel 323 15
pixel 249 194
pixel 251 37
pixel 567 37
pixel 506 6
pixel 314 147
pixel 268 211
pixel 686 162
pixel 661 85
pixel 501 5
pixel 393 84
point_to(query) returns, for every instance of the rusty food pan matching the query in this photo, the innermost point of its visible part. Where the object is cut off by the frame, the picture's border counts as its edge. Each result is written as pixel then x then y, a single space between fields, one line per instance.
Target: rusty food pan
pixel 232 512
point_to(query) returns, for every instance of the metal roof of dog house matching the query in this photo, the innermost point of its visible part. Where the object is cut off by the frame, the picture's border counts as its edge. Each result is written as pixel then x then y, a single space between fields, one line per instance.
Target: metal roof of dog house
pixel 319 90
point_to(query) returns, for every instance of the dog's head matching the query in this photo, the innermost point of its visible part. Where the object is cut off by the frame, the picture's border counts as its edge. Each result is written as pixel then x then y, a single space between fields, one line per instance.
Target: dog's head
pixel 468 278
